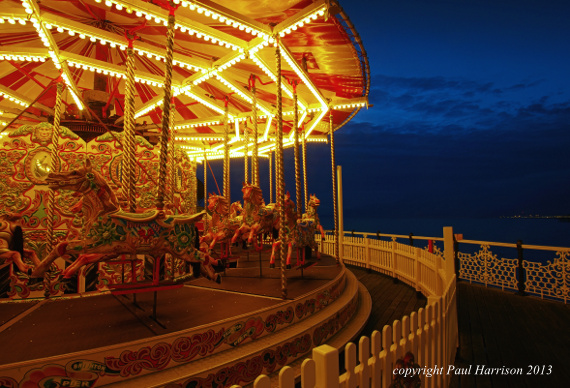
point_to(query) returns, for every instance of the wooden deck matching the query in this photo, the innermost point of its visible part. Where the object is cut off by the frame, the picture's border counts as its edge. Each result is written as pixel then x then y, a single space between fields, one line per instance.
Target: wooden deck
pixel 497 329
pixel 390 300
pixel 501 329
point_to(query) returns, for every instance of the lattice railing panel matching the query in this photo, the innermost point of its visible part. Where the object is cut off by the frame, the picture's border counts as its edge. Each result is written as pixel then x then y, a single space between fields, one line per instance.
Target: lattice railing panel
pixel 484 267
pixel 551 279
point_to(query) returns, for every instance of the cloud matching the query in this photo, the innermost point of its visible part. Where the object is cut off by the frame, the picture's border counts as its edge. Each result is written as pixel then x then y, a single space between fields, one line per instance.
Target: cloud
pixel 438 104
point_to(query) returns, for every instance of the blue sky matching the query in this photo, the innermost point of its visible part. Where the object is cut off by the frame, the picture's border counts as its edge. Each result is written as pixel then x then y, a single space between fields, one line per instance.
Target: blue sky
pixel 471 109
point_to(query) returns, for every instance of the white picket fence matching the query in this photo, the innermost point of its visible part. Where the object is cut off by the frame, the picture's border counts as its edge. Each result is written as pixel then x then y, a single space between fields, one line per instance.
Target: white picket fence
pixel 431 334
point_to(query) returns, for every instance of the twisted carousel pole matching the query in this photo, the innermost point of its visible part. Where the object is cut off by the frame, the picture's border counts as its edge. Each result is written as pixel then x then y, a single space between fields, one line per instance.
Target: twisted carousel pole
pixel 304 149
pixel 171 161
pixel 226 152
pixel 335 204
pixel 54 163
pixel 270 176
pixel 279 179
pixel 246 150
pixel 129 146
pixel 296 154
pixel 165 130
pixel 254 156
pixel 128 176
pixel 205 188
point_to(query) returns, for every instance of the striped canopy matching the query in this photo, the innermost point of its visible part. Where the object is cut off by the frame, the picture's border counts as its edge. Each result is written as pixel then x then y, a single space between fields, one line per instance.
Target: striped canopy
pixel 222 52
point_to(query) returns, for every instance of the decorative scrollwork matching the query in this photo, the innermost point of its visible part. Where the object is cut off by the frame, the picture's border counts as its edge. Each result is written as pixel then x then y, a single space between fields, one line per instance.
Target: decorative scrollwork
pixel 551 279
pixel 484 267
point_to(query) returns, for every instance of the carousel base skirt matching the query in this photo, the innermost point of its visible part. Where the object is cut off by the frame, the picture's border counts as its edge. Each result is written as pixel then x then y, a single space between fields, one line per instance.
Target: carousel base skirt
pixel 200 334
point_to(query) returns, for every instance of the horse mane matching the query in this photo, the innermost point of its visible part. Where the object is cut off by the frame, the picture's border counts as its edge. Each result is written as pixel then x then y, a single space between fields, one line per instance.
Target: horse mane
pixel 257 195
pixel 105 193
pixel 221 203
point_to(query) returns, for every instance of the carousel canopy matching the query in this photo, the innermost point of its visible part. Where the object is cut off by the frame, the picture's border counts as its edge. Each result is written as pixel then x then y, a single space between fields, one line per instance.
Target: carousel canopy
pixel 224 54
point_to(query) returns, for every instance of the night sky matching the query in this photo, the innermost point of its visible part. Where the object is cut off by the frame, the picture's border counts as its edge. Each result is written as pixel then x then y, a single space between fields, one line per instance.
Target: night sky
pixel 471 109
pixel 470 115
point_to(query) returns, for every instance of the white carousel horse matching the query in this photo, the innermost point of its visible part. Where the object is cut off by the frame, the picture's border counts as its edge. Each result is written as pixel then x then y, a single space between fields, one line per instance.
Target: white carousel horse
pixel 109 232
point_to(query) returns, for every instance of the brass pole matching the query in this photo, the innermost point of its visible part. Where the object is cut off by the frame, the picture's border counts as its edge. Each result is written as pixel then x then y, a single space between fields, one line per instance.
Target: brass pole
pixel 165 133
pixel 335 204
pixel 279 181
pixel 54 164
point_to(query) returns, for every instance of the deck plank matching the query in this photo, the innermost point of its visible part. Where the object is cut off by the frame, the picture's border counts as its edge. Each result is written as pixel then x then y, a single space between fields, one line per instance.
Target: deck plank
pixel 516 332
pixel 390 300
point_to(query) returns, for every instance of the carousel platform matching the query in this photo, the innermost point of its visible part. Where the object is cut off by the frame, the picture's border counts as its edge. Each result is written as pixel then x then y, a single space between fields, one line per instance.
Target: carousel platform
pixel 197 333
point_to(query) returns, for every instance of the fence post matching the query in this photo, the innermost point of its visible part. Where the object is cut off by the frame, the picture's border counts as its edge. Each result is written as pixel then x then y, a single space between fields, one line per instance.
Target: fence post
pixel 367 251
pixel 394 265
pixel 521 271
pixel 326 366
pixel 418 276
pixel 448 252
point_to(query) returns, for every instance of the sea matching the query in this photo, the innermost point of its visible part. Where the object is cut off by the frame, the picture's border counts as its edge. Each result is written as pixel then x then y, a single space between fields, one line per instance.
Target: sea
pixel 531 231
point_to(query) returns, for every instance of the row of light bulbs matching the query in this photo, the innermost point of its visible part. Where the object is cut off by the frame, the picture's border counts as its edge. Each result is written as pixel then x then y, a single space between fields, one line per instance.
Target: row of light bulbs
pixel 45 37
pixel 221 18
pixel 12 20
pixel 23 57
pixel 314 16
pixel 13 99
pixel 159 19
pixel 209 74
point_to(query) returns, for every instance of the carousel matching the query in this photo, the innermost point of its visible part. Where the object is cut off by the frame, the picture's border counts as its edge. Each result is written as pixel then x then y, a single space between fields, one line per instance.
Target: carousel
pixel 110 272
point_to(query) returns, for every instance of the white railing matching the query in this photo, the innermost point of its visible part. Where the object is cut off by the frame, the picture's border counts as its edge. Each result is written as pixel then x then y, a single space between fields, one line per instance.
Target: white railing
pixel 481 262
pixel 430 334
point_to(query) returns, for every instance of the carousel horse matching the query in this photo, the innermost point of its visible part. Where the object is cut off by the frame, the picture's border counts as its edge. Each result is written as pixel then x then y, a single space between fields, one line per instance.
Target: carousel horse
pixel 311 214
pixel 109 232
pixel 258 219
pixel 12 243
pixel 299 234
pixel 221 227
pixel 236 210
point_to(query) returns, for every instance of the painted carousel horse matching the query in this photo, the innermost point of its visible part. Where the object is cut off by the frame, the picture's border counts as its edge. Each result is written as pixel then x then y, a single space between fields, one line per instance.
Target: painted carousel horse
pixel 222 226
pixel 258 219
pixel 312 215
pixel 299 234
pixel 236 210
pixel 12 243
pixel 109 232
